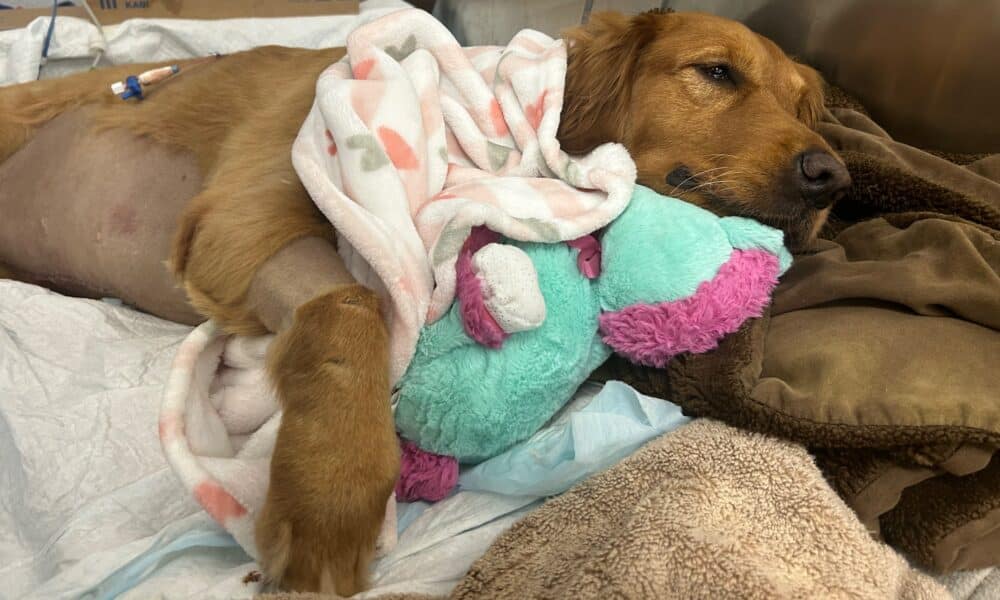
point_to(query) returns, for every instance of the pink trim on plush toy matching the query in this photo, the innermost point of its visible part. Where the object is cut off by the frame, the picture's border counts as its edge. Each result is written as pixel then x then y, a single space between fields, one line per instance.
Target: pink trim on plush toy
pixel 589 258
pixel 652 334
pixel 476 318
pixel 424 475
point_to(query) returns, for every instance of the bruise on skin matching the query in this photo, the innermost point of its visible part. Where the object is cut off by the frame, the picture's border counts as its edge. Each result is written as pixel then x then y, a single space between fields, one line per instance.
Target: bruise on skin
pixel 123 220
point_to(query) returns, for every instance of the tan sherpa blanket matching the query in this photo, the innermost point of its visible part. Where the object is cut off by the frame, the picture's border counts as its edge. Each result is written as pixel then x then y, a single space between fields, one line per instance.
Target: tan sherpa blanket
pixel 707 511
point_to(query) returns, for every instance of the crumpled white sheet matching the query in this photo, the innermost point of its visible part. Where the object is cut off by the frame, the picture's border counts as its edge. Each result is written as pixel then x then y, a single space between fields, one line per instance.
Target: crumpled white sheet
pixel 76 41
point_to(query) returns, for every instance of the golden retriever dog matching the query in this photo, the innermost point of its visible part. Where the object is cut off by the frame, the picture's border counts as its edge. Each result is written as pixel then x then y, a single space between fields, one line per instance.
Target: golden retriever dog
pixel 186 205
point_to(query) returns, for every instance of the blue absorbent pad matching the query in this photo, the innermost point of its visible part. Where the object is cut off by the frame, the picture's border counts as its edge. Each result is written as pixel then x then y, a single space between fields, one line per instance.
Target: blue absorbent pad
pixel 586 438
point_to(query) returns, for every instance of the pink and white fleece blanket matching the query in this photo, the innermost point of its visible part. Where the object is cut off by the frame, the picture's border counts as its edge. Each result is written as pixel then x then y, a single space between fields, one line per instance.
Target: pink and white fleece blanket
pixel 413 140
pixel 411 143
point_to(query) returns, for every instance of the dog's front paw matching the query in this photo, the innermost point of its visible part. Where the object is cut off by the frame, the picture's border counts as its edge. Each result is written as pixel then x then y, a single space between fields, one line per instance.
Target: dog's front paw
pixel 307 544
pixel 336 458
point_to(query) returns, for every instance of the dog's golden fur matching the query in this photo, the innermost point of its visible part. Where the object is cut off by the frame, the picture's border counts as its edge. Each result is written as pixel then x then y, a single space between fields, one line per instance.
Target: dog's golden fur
pixel 638 81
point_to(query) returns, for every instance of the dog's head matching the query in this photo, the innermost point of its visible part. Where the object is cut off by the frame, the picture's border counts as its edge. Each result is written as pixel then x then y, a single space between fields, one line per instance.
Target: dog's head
pixel 712 113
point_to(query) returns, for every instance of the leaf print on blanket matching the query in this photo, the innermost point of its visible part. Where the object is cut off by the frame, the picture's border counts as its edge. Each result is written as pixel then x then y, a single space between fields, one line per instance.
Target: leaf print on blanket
pixel 573 175
pixel 332 148
pixel 217 502
pixel 373 157
pixel 403 50
pixel 499 121
pixel 543 230
pixel 534 112
pixel 498 155
pixel 399 151
pixel 364 68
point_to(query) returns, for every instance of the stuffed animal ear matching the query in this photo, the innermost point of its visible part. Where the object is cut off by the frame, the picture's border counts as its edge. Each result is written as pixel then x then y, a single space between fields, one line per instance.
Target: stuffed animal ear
pixel 653 333
pixel 477 321
pixel 510 288
pixel 588 257
pixel 497 289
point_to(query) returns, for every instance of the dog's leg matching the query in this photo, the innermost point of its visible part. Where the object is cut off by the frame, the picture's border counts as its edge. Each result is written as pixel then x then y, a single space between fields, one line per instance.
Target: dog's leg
pixel 335 462
pixel 259 258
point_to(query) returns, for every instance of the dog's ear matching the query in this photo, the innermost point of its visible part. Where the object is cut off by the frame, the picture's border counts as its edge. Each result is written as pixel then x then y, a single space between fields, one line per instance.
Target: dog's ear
pixel 603 60
pixel 811 105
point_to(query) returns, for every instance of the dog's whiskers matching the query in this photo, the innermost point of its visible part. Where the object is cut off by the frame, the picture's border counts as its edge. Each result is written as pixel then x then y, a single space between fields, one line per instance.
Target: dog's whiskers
pixel 709 183
pixel 742 170
pixel 694 177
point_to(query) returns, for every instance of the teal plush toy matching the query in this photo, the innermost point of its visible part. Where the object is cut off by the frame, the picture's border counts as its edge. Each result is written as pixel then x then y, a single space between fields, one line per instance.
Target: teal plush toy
pixel 666 277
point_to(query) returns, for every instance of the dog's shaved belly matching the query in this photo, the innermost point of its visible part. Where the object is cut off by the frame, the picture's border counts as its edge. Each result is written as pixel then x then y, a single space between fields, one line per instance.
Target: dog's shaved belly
pixel 93 214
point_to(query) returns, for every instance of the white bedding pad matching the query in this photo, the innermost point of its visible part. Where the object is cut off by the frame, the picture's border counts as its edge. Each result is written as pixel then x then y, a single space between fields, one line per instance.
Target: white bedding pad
pixel 81 469
pixel 88 504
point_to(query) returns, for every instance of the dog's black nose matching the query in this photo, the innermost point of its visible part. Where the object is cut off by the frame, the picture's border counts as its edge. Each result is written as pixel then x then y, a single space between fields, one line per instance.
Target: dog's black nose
pixel 822 178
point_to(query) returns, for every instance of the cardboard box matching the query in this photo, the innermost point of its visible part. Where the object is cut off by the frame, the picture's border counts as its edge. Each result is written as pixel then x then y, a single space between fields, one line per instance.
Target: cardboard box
pixel 110 12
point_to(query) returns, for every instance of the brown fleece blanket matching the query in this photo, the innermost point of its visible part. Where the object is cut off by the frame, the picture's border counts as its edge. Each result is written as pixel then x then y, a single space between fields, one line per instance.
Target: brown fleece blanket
pixel 881 349
pixel 707 511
